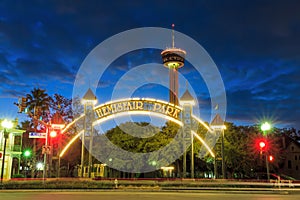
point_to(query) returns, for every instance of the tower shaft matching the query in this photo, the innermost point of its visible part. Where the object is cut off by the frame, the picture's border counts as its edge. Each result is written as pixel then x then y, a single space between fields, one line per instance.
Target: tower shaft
pixel 173 86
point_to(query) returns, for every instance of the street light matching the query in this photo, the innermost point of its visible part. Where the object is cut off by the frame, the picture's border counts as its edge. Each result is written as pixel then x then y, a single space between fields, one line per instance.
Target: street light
pixel 6 124
pixel 40 166
pixel 266 127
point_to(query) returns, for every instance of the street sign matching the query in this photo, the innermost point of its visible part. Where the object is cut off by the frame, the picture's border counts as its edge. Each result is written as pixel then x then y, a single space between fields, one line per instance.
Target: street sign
pixel 37 135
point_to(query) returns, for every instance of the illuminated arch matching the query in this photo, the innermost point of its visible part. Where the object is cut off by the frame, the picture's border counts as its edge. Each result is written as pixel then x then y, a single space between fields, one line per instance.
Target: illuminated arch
pixel 70 143
pixel 120 114
pixel 202 123
pixel 204 143
pixel 72 123
pixel 114 116
pixel 123 112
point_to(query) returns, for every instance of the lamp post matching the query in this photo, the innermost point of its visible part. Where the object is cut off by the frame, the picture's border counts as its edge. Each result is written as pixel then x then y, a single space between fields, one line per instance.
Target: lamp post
pixel 6 124
pixel 266 127
pixel 45 155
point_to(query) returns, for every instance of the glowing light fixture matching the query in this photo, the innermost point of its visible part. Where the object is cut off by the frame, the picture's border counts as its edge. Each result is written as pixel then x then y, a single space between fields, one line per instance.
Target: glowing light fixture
pixel 265 126
pixel 7 124
pixel 39 166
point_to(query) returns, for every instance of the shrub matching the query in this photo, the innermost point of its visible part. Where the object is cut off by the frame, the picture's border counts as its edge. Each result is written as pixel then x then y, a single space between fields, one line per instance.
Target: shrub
pixel 18 176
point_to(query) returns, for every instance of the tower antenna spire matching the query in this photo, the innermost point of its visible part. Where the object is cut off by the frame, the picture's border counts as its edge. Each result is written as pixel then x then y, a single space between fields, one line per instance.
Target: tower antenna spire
pixel 173 58
pixel 173 37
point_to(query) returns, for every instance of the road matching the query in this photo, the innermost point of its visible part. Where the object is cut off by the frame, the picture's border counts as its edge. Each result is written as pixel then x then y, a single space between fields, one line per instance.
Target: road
pixel 115 195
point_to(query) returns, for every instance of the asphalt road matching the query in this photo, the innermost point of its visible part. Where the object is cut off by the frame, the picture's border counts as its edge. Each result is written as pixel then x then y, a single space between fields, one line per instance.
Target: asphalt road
pixel 115 195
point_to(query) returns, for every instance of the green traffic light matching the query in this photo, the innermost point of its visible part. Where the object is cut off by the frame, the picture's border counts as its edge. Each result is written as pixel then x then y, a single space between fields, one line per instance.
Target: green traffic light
pixel 27 153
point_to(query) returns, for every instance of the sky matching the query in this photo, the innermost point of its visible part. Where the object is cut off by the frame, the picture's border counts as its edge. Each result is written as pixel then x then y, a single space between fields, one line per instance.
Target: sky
pixel 255 45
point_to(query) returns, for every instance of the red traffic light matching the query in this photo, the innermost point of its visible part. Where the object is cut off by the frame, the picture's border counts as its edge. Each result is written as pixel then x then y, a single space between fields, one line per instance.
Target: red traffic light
pixel 262 144
pixel 271 158
pixel 53 134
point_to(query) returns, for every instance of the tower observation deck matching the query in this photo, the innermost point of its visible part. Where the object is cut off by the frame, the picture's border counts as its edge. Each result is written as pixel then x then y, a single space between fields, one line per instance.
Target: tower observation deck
pixel 173 58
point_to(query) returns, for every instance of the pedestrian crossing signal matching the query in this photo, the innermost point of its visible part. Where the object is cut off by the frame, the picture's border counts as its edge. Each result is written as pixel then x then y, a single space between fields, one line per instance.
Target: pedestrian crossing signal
pixel 46 149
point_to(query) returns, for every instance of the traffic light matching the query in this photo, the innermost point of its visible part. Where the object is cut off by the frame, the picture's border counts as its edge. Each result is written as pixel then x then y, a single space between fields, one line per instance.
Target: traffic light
pixel 27 153
pixel 22 105
pixel 53 134
pixel 271 158
pixel 262 145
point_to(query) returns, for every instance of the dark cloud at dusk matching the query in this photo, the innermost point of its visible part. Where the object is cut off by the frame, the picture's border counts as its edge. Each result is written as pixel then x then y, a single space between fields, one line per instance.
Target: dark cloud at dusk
pixel 255 45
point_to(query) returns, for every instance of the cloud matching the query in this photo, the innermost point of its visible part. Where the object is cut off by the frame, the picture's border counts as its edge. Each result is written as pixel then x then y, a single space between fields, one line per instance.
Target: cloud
pixel 255 44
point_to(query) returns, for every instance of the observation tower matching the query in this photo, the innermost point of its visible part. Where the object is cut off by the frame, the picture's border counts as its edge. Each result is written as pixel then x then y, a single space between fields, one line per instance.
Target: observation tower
pixel 173 58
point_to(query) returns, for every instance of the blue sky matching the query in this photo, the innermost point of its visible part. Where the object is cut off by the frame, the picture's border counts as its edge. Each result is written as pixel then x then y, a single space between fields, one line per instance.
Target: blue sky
pixel 255 44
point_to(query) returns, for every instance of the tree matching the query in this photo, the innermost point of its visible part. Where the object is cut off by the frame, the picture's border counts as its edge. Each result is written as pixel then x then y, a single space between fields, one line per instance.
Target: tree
pixel 122 137
pixel 38 103
pixel 238 154
pixel 62 105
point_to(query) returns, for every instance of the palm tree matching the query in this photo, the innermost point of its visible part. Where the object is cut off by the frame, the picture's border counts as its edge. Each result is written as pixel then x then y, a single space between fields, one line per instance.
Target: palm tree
pixel 38 102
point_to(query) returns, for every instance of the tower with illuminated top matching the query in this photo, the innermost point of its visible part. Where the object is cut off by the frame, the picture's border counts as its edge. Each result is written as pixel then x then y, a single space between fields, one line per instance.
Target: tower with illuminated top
pixel 173 58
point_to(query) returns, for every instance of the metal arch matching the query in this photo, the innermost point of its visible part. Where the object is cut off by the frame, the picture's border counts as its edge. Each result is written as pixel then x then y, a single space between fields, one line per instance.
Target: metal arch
pixel 141 112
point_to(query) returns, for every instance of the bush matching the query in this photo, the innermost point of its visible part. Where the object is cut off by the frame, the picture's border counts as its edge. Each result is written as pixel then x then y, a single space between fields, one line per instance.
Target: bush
pixel 18 176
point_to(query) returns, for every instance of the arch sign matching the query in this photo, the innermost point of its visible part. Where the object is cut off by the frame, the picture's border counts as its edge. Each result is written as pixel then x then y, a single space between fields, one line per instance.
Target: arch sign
pixel 138 105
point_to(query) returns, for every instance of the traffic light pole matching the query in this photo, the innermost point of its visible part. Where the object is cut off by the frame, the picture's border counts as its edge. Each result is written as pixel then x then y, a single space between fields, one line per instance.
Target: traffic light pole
pixel 267 166
pixel 266 127
pixel 45 156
